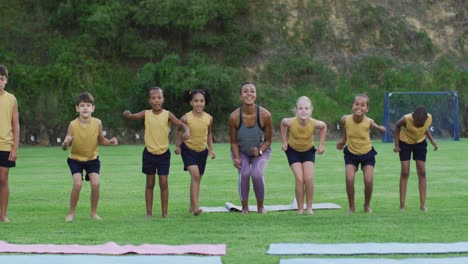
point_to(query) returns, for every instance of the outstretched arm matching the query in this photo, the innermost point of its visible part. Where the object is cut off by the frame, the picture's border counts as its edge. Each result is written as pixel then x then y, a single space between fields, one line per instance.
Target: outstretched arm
pixel 340 144
pixel 429 136
pixel 104 141
pixel 396 134
pixel 127 114
pixel 174 120
pixel 178 136
pixel 285 123
pixel 323 133
pixel 382 129
pixel 267 122
pixel 16 131
pixel 233 122
pixel 209 140
pixel 67 142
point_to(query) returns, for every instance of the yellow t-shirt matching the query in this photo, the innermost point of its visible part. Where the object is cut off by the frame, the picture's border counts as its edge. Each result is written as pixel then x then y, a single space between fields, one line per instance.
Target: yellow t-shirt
pixel 411 134
pixel 198 131
pixel 357 135
pixel 85 140
pixel 157 131
pixel 301 138
pixel 7 103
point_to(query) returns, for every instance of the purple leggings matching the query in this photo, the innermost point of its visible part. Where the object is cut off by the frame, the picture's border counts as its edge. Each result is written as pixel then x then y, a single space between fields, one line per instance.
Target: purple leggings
pixel 252 166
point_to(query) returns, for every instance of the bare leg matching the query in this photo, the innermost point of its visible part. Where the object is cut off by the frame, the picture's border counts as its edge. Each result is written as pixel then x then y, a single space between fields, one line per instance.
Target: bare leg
pixel 260 208
pixel 94 179
pixel 164 188
pixel 149 189
pixel 421 169
pixel 194 189
pixel 299 186
pixel 308 171
pixel 368 187
pixel 404 175
pixel 350 174
pixel 74 196
pixel 245 207
pixel 4 194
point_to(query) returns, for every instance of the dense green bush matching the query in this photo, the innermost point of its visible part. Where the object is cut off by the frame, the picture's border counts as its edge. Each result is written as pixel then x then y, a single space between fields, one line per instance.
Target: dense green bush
pixel 117 49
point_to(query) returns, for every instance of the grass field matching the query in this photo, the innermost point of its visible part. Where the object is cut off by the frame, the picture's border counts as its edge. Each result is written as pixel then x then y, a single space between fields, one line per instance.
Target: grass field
pixel 40 186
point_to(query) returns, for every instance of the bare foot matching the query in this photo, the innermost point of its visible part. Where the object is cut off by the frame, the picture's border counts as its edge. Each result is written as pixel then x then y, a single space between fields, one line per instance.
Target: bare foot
pixel 149 215
pixel 164 215
pixel 4 219
pixel 95 217
pixel 245 210
pixel 261 210
pixel 351 210
pixel 69 218
pixel 402 209
pixel 300 212
pixel 197 212
pixel 310 211
pixel 368 210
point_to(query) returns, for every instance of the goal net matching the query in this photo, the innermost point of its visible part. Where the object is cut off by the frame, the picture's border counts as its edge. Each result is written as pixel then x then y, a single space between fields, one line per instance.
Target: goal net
pixel 443 106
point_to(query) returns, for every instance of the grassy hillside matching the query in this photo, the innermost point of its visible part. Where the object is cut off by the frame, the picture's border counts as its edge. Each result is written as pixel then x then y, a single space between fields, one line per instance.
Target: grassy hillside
pixel 327 50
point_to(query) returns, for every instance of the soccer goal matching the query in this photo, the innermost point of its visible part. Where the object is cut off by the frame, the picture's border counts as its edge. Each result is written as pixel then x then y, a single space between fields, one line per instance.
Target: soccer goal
pixel 443 106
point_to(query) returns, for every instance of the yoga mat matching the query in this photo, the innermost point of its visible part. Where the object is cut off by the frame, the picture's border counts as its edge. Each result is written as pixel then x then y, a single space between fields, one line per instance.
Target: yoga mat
pixel 112 248
pixel 455 260
pixel 230 207
pixel 367 248
pixel 80 259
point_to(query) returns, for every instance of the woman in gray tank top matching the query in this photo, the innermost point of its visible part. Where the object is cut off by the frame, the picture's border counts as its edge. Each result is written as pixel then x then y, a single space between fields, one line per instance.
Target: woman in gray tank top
pixel 250 131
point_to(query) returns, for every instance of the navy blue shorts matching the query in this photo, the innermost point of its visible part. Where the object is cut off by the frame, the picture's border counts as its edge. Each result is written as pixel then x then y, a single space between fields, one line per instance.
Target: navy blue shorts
pixel 300 156
pixel 192 157
pixel 419 151
pixel 153 163
pixel 364 159
pixel 90 166
pixel 4 162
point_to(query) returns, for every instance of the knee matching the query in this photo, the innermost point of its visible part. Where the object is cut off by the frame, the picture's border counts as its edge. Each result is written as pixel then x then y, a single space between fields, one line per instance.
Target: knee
pixel 404 174
pixel 95 185
pixel 150 185
pixel 77 185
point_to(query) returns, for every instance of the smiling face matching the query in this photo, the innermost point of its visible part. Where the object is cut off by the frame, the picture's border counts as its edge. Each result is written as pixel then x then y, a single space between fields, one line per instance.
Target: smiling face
pixel 85 109
pixel 198 102
pixel 361 105
pixel 248 94
pixel 156 99
pixel 303 108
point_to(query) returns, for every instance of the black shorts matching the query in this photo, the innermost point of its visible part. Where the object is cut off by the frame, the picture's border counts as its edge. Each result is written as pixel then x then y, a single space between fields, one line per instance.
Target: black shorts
pixel 300 156
pixel 364 159
pixel 192 157
pixel 4 162
pixel 153 163
pixel 90 166
pixel 419 151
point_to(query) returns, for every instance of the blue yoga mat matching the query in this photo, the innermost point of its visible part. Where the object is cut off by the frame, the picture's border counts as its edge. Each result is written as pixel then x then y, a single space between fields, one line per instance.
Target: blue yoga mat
pixel 366 248
pixel 126 259
pixel 374 260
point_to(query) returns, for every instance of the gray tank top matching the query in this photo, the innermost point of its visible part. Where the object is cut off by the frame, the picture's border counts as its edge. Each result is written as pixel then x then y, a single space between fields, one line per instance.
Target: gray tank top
pixel 248 137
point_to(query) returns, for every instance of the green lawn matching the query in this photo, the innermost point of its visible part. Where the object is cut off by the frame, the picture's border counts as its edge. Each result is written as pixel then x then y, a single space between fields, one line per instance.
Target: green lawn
pixel 40 186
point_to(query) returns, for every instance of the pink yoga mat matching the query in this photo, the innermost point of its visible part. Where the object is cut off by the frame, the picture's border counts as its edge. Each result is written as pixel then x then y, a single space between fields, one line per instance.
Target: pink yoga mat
pixel 112 248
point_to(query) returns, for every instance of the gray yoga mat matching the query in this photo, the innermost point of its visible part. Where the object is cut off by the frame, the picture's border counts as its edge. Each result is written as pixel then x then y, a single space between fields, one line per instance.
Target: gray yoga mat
pixel 366 248
pixel 80 259
pixel 230 207
pixel 374 260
